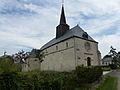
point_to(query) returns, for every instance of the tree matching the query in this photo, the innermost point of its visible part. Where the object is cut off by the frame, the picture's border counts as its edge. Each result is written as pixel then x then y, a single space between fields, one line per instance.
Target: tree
pixel 6 66
pixel 115 55
pixel 20 57
pixel 113 52
pixel 39 54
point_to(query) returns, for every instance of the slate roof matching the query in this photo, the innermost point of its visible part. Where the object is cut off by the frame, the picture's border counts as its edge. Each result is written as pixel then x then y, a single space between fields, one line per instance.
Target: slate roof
pixel 107 58
pixel 32 53
pixel 73 32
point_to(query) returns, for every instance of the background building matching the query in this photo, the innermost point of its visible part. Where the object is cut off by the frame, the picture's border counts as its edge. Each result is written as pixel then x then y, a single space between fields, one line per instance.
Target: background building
pixel 107 60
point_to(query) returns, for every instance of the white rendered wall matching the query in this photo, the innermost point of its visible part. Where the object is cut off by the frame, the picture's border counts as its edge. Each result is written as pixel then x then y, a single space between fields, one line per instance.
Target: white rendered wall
pixel 62 59
pixel 82 54
pixel 67 58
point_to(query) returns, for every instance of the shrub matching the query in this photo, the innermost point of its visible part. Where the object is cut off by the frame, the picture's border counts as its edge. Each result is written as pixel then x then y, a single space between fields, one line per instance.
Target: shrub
pixel 8 81
pixel 88 74
pixel 81 77
pixel 6 65
pixel 113 66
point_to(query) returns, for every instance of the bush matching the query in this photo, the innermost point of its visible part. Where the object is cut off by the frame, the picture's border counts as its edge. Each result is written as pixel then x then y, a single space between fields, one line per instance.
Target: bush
pixel 8 81
pixel 6 65
pixel 113 66
pixel 88 74
pixel 81 77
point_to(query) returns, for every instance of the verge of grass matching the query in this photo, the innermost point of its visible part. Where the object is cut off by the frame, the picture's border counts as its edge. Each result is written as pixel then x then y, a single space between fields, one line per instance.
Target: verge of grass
pixel 117 70
pixel 110 83
pixel 106 69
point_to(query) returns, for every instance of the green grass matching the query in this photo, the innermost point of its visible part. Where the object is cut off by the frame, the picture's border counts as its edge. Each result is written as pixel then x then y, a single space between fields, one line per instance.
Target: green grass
pixel 106 69
pixel 35 72
pixel 117 70
pixel 110 83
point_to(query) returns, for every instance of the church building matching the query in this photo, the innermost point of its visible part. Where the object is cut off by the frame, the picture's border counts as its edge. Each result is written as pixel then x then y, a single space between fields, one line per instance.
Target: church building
pixel 70 48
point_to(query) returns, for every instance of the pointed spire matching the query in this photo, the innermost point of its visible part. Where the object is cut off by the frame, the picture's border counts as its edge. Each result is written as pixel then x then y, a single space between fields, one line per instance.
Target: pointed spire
pixel 62 28
pixel 62 18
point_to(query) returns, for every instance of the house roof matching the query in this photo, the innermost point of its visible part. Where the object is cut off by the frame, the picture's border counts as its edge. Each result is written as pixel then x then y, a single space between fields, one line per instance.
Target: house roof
pixel 32 53
pixel 73 32
pixel 107 58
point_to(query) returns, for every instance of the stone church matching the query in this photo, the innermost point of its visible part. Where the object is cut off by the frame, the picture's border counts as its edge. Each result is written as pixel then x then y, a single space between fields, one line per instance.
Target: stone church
pixel 71 47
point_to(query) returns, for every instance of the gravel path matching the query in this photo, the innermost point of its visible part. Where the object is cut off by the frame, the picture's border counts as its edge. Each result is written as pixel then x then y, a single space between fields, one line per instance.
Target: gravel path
pixel 115 74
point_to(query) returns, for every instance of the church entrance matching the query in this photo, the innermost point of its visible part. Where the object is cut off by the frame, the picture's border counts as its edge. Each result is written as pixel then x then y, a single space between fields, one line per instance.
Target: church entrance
pixel 88 61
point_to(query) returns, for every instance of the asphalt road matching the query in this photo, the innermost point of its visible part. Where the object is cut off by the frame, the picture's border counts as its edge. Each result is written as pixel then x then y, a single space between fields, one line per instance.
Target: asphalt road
pixel 115 74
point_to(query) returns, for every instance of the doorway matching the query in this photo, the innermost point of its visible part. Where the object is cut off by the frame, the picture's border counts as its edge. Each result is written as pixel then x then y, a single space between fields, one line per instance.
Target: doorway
pixel 88 61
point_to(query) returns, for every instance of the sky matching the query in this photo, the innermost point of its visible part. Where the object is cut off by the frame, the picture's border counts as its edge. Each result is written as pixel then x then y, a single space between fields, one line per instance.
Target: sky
pixel 28 24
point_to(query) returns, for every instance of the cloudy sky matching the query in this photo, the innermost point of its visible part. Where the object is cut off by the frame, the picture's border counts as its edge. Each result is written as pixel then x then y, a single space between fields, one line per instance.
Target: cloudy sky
pixel 27 24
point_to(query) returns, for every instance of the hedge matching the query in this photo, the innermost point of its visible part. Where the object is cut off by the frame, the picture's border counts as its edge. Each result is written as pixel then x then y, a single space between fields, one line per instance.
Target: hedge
pixel 50 81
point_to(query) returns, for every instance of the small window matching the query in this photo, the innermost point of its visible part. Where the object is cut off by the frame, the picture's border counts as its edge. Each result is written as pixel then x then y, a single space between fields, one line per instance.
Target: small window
pixel 79 58
pixel 85 35
pixel 66 44
pixel 56 47
pixel 78 49
pixel 46 51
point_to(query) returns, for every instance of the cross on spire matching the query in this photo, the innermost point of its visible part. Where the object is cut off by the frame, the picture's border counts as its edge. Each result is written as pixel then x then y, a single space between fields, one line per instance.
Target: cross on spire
pixel 62 28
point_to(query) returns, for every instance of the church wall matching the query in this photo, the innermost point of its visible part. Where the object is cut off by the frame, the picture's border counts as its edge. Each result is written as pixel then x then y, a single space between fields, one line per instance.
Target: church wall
pixel 60 57
pixel 65 58
pixel 82 53
pixel 31 65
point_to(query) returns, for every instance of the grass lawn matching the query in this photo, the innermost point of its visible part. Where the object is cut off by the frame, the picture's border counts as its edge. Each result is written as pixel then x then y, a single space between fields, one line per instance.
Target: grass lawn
pixel 117 70
pixel 110 83
pixel 106 69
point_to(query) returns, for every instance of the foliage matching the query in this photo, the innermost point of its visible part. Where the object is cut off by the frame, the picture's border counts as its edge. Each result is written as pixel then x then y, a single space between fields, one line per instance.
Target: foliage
pixel 8 81
pixel 20 57
pixel 106 68
pixel 113 52
pixel 116 57
pixel 7 65
pixel 94 73
pixel 113 66
pixel 50 80
pixel 39 55
pixel 118 70
pixel 110 83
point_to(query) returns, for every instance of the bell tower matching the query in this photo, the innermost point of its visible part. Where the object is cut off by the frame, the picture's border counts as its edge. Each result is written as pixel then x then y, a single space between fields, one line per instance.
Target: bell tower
pixel 62 28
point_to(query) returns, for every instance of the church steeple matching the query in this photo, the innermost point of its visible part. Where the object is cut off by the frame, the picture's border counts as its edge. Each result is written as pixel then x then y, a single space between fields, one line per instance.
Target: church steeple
pixel 62 27
pixel 62 18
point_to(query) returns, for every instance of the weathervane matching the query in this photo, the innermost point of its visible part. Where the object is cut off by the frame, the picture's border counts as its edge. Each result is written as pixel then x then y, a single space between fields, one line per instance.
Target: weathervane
pixel 62 2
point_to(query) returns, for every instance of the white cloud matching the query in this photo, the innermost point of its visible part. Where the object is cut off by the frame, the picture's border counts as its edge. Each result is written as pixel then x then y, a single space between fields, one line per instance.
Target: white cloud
pixel 31 23
pixel 105 42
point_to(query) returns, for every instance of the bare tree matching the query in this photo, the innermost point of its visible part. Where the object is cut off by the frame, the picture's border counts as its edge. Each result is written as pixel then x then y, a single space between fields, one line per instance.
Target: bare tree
pixel 20 57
